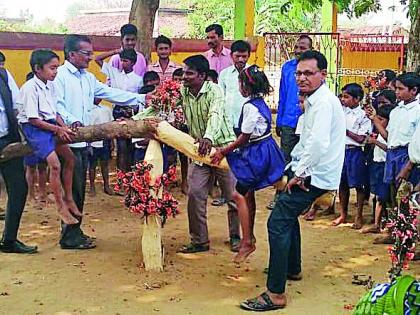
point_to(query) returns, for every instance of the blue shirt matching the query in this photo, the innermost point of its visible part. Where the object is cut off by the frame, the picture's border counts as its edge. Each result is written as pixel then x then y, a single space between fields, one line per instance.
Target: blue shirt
pixel 76 90
pixel 289 111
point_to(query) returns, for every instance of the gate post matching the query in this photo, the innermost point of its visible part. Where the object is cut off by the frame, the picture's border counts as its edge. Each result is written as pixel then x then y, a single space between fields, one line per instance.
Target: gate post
pixel 244 19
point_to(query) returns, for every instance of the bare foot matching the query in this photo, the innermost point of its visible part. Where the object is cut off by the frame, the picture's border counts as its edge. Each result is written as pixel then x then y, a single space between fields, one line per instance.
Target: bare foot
pixel 244 251
pixel 338 221
pixel 371 229
pixel 65 215
pixel 310 216
pixel 358 223
pixel 73 207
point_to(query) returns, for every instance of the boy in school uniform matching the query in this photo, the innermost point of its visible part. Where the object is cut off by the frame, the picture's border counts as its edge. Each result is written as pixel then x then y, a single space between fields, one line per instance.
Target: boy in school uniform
pixel 128 41
pixel 164 67
pixel 127 80
pixel 101 150
pixel 355 171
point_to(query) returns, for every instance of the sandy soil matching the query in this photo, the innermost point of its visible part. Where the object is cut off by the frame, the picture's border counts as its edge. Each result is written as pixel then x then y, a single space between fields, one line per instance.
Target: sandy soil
pixel 110 279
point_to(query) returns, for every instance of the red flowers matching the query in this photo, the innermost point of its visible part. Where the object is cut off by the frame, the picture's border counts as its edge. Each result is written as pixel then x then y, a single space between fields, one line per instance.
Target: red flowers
pixel 141 197
pixel 166 101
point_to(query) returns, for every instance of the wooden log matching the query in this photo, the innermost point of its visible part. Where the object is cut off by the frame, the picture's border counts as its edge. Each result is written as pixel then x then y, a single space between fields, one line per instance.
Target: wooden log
pixel 111 130
pixel 151 243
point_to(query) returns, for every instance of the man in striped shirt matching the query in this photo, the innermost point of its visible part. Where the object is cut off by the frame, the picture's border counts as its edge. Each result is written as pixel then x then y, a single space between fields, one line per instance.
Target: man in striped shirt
pixel 204 109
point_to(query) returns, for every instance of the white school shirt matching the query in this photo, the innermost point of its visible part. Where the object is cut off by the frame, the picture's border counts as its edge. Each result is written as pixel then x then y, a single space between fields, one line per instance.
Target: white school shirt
pixel 130 82
pixel 229 82
pixel 252 121
pixel 76 91
pixel 379 155
pixel 4 122
pixel 414 147
pixel 37 100
pixel 403 121
pixel 320 150
pixel 358 123
pixel 100 114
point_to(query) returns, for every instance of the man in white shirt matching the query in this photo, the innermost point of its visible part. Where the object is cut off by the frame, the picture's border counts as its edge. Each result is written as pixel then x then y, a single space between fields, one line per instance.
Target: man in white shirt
pixel 317 161
pixel 76 89
pixel 127 80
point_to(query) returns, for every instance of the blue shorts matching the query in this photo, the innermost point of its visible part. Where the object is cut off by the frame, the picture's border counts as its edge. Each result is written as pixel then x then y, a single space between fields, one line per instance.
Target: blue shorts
pixel 355 171
pixel 42 142
pixel 396 159
pixel 377 184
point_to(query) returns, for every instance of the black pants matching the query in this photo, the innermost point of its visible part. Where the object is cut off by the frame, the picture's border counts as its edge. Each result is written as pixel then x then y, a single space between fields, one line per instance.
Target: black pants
pixel 288 141
pixel 13 174
pixel 71 234
pixel 284 235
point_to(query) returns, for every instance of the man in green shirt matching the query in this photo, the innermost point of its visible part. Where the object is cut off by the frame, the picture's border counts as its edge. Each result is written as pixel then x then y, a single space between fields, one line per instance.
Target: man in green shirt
pixel 204 109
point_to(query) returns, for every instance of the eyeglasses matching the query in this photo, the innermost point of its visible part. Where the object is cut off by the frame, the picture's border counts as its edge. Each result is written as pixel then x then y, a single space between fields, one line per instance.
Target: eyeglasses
pixel 86 53
pixel 305 73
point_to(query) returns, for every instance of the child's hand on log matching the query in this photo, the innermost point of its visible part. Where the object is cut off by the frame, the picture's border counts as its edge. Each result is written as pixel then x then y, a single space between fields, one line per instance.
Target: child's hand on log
pixel 65 134
pixel 217 157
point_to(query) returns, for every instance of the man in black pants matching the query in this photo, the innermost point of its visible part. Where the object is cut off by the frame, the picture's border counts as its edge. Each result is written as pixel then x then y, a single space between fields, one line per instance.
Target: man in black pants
pixel 316 165
pixel 12 170
pixel 76 89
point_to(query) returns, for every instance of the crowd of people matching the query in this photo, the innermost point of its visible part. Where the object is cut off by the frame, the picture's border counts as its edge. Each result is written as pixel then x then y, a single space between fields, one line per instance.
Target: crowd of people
pixel 327 142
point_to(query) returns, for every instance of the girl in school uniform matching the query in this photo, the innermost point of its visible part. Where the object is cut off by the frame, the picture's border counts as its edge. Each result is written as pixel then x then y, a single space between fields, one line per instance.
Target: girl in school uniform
pixel 254 158
pixel 41 126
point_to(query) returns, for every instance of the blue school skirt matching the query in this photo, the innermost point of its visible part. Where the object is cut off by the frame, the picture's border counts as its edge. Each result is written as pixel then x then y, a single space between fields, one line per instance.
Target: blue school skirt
pixel 355 170
pixel 258 164
pixel 42 142
pixel 396 159
pixel 377 184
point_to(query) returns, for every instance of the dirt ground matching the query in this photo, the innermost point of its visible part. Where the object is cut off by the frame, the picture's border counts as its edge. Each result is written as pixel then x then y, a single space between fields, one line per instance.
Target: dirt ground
pixel 110 279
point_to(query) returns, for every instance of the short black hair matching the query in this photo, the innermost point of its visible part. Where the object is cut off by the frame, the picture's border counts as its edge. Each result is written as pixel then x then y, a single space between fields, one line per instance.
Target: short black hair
pixel 72 42
pixel 129 54
pixel 241 46
pixel 161 39
pixel 150 76
pixel 255 81
pixel 389 95
pixel 389 74
pixel 2 57
pixel 215 27
pixel 213 75
pixel 179 72
pixel 305 36
pixel 128 29
pixel 41 57
pixel 29 76
pixel 198 63
pixel 385 111
pixel 410 80
pixel 355 90
pixel 321 61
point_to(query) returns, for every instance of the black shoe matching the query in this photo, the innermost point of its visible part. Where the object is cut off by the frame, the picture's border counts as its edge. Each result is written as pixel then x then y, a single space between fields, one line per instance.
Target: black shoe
pixel 17 247
pixel 193 248
pixel 80 244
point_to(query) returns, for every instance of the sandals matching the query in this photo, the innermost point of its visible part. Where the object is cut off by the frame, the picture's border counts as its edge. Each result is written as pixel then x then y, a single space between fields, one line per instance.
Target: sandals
pixel 256 306
pixel 193 248
pixel 218 202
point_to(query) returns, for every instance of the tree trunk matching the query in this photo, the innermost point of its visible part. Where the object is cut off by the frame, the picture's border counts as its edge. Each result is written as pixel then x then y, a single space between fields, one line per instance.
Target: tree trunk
pixel 111 130
pixel 142 15
pixel 413 48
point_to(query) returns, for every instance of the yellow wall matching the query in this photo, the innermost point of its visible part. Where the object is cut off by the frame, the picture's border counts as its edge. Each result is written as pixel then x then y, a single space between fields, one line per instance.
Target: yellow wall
pixel 17 62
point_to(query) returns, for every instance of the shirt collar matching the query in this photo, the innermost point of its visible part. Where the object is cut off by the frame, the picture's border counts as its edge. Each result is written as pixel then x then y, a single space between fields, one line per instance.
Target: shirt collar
pixel 410 105
pixel 41 84
pixel 72 68
pixel 233 68
pixel 224 52
pixel 318 94
pixel 204 89
pixel 171 64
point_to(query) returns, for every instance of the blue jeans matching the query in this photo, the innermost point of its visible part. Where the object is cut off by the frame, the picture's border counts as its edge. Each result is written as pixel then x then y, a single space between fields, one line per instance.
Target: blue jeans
pixel 284 235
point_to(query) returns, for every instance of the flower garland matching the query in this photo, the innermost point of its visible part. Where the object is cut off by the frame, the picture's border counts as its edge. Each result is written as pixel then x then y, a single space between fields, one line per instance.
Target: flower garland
pixel 403 226
pixel 142 197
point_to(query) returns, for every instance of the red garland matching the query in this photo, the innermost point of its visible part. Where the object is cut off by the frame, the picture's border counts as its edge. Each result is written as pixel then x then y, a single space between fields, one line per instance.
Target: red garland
pixel 138 189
